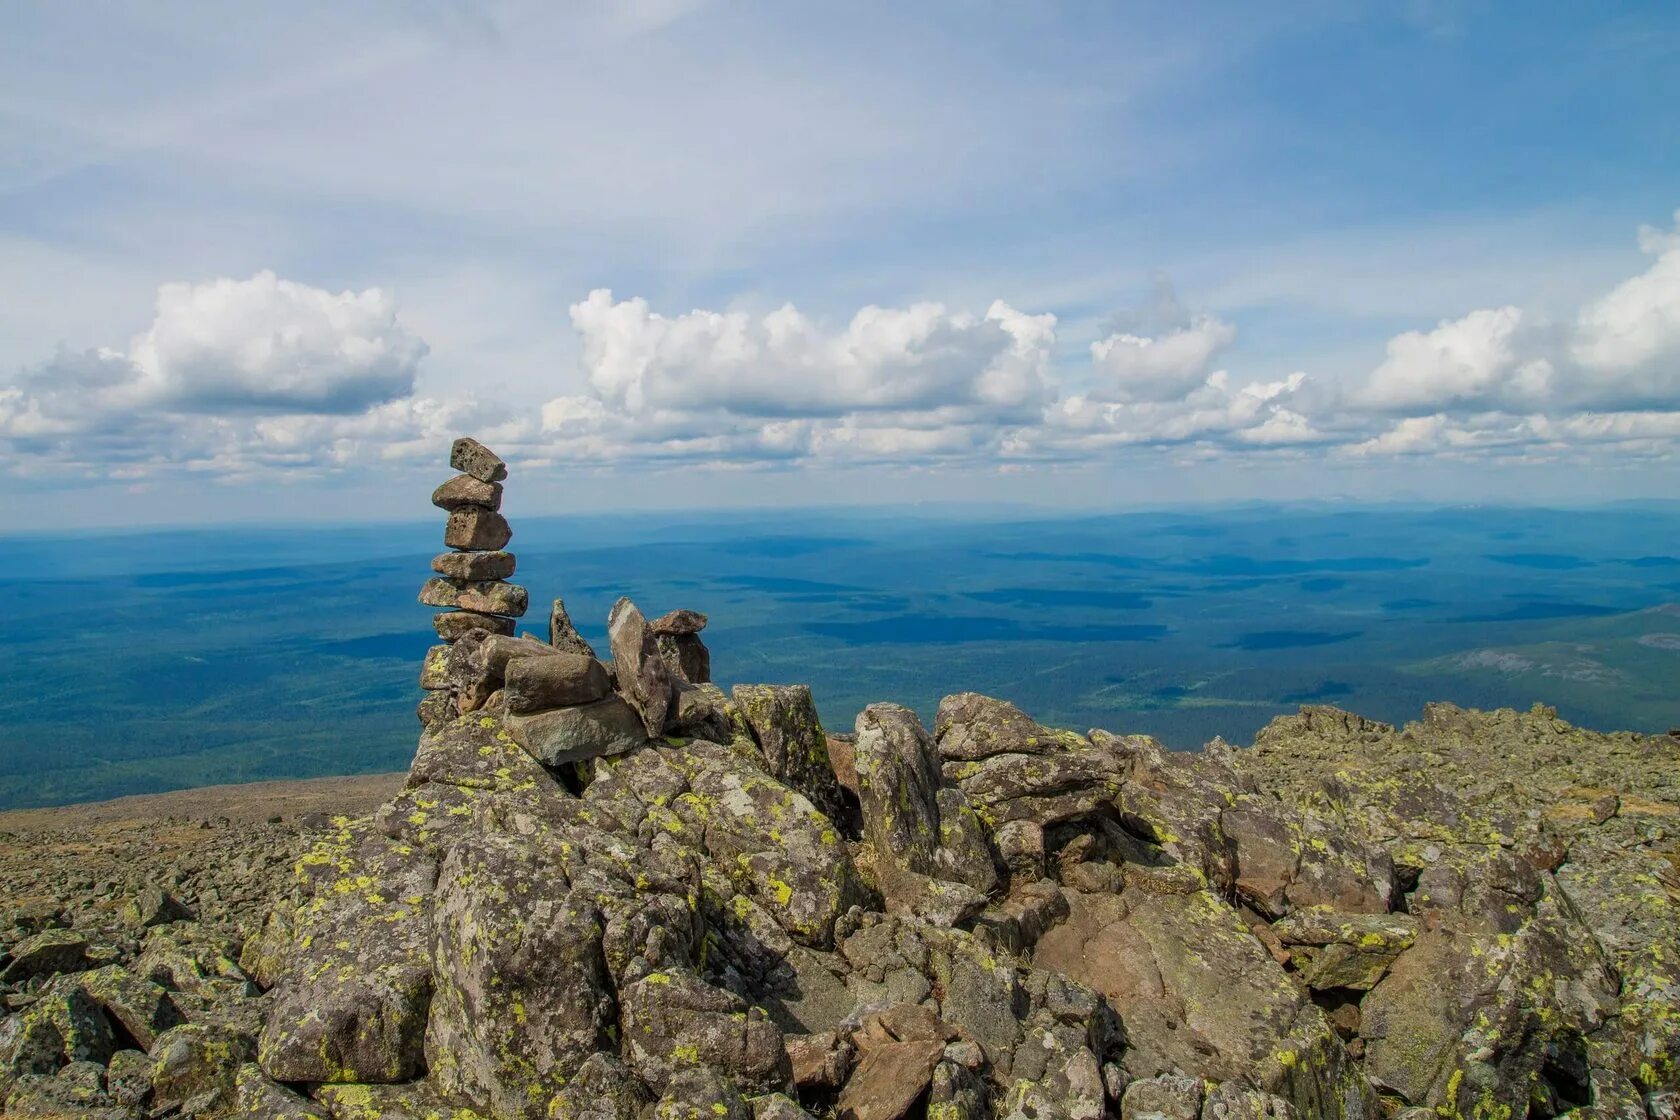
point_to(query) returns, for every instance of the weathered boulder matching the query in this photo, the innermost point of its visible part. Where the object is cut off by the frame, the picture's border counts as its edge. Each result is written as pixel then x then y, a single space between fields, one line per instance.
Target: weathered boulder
pixel 350 1001
pixel 554 680
pixel 602 1089
pixel 143 1009
pixel 484 596
pixel 783 721
pixel 474 565
pixel 522 996
pixel 1473 1021
pixel 476 529
pixel 913 821
pixel 500 649
pixel 766 840
pixel 257 1098
pixel 465 671
pixel 154 906
pixel 1199 995
pixel 686 657
pixel 471 457
pixel 672 1020
pixel 46 953
pixel 415 1100
pixel 197 1061
pixel 63 1025
pixel 1332 950
pixel 562 736
pixel 453 625
pixel 562 634
pixel 699 1093
pixel 465 490
pixel 643 680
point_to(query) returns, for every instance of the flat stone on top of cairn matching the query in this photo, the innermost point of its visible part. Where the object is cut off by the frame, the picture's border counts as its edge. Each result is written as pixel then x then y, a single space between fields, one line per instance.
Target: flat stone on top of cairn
pixel 469 456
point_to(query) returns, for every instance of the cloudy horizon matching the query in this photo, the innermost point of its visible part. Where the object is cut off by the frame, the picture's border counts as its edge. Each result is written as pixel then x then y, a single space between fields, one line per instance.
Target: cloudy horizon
pixel 679 253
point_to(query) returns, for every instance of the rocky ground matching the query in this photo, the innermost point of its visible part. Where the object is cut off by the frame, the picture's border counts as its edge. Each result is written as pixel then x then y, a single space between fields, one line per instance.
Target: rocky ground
pixel 1475 915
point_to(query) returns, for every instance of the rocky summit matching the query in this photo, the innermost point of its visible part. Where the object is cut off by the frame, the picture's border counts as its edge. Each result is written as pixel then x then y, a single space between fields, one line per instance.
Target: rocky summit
pixel 608 889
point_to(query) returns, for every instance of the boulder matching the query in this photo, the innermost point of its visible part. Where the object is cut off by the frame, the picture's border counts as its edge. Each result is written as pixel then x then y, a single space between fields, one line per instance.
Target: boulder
pixel 554 680
pixel 48 952
pixel 154 906
pixel 643 680
pixel 678 623
pixel 562 736
pixel 465 490
pixel 143 1009
pixel 889 1078
pixel 1332 950
pixel 474 565
pixel 1200 996
pixel 476 529
pixel 467 674
pixel 686 656
pixel 197 1062
pixel 701 1094
pixel 672 1021
pixel 602 1089
pixel 350 1000
pixel 499 649
pixel 483 596
pixel 471 457
pixel 782 720
pixel 522 995
pixel 257 1098
pixel 63 1025
pixel 562 635
pixel 914 823
pixel 415 1100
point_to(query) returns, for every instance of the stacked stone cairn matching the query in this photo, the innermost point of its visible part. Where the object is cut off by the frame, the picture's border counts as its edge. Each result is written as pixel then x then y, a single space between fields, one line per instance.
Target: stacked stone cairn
pixel 558 700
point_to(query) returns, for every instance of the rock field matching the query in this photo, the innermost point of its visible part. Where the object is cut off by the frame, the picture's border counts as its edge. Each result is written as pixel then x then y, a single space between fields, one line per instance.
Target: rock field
pixel 609 890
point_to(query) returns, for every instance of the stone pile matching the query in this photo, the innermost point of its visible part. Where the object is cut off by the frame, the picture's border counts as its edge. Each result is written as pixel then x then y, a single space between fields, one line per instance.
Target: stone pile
pixel 560 702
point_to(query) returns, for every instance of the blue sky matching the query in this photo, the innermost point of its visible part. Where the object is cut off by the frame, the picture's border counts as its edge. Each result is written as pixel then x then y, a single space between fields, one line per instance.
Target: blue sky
pixel 265 262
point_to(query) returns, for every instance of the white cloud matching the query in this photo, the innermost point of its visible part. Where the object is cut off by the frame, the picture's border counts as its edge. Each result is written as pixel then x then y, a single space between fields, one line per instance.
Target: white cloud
pixel 268 344
pixel 1135 368
pixel 258 370
pixel 1622 351
pixel 1628 340
pixel 243 377
pixel 784 364
pixel 1476 359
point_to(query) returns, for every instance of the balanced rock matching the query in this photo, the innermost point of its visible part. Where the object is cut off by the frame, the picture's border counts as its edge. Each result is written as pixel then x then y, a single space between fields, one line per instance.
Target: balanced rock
pixel 471 457
pixel 562 634
pixel 465 490
pixel 561 736
pixel 452 626
pixel 474 565
pixel 477 529
pixel 554 680
pixel 678 622
pixel 484 596
pixel 643 679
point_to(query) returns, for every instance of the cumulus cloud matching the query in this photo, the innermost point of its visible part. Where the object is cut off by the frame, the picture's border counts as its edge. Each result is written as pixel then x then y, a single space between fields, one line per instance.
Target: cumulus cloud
pixel 270 375
pixel 1629 339
pixel 224 366
pixel 1166 367
pixel 784 364
pixel 1622 351
pixel 267 344
pixel 1219 412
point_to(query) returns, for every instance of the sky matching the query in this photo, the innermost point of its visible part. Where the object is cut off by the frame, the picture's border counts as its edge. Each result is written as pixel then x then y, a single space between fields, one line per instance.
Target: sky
pixel 265 262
